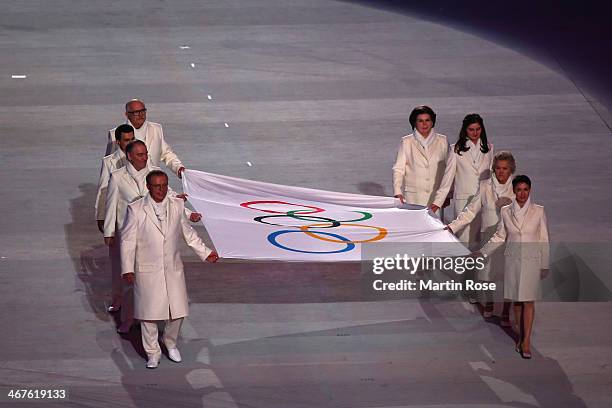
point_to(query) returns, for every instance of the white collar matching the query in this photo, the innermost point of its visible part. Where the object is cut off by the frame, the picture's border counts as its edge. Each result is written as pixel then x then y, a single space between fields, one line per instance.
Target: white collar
pixel 475 150
pixel 160 209
pixel 137 173
pixel 119 154
pixel 520 212
pixel 141 132
pixel 424 141
pixel 501 189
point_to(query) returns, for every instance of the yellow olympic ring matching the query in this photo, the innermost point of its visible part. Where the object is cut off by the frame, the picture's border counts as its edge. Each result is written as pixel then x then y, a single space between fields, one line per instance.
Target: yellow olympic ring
pixel 382 232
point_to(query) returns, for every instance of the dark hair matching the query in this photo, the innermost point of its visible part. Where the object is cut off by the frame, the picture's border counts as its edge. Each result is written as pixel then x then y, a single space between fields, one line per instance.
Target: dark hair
pixel 121 129
pixel 461 145
pixel 130 147
pixel 504 155
pixel 420 110
pixel 521 179
pixel 155 173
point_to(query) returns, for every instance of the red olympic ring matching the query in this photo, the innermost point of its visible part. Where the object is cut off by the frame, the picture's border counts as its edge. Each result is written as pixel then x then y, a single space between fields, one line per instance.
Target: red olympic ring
pixel 249 203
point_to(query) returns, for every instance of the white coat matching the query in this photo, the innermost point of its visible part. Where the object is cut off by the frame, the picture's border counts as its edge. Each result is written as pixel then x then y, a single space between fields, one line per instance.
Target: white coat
pixel 463 175
pixel 154 257
pixel 152 135
pixel 484 204
pixel 110 163
pixel 417 173
pixel 526 252
pixel 123 190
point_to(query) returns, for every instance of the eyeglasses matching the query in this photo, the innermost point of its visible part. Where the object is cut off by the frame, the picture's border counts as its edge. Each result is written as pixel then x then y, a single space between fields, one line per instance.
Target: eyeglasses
pixel 138 112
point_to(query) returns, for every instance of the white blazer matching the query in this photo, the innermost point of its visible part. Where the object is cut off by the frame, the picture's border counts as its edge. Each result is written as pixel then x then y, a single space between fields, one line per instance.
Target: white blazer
pixel 157 147
pixel 153 255
pixel 110 163
pixel 123 190
pixel 465 173
pixel 526 252
pixel 484 203
pixel 417 174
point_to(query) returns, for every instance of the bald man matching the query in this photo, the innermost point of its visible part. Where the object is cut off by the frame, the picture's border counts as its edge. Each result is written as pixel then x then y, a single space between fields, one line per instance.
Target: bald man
pixel 151 134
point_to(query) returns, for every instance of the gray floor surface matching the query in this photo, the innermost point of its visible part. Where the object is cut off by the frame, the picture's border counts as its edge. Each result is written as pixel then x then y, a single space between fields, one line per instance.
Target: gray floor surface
pixel 315 94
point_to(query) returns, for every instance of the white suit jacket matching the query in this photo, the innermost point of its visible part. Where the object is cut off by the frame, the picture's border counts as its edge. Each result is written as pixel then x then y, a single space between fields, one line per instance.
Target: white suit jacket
pixel 110 163
pixel 484 203
pixel 152 253
pixel 529 240
pixel 159 150
pixel 526 252
pixel 465 173
pixel 123 190
pixel 417 175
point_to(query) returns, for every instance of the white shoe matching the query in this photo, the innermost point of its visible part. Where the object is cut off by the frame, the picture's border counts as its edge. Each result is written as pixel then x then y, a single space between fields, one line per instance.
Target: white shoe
pixel 153 362
pixel 174 355
pixel 113 309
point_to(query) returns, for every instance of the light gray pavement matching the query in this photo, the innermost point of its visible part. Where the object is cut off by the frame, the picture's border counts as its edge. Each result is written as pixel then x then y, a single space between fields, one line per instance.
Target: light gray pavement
pixel 315 94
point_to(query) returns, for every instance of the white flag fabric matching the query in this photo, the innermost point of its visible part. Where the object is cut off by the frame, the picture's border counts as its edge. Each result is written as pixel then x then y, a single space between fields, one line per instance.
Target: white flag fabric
pixel 255 220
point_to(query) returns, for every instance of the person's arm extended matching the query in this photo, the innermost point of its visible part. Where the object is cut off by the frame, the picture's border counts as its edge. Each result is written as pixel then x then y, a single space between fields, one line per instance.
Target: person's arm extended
pixel 195 242
pixel 498 239
pixel 447 180
pixel 169 157
pixel 468 214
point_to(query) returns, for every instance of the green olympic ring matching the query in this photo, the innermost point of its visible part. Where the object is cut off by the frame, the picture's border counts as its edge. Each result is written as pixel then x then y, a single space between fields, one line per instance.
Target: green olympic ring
pixel 311 218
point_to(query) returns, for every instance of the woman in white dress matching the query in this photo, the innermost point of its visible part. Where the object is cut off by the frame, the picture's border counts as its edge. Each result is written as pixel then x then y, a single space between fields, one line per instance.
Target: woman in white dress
pixel 492 195
pixel 524 231
pixel 421 159
pixel 469 162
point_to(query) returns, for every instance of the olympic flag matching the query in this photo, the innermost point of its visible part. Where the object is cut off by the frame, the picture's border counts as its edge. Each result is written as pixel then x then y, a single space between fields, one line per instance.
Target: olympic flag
pixel 254 220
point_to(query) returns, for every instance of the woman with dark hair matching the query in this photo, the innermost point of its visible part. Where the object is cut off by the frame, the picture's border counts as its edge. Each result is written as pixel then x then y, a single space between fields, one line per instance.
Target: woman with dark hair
pixel 524 231
pixel 421 159
pixel 469 163
pixel 492 194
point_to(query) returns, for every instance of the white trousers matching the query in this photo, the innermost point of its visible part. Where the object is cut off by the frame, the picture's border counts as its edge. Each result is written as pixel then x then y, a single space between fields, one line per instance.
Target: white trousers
pixel 150 334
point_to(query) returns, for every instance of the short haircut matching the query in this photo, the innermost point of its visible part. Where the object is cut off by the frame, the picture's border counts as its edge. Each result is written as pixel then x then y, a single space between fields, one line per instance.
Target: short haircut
pixel 504 155
pixel 121 129
pixel 131 146
pixel 420 110
pixel 155 173
pixel 521 179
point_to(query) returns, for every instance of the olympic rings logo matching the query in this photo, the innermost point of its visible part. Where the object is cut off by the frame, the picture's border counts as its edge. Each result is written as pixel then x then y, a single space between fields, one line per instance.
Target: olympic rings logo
pixel 318 222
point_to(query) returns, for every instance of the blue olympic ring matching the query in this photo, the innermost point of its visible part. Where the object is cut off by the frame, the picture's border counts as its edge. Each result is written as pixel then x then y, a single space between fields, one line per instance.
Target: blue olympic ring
pixel 349 245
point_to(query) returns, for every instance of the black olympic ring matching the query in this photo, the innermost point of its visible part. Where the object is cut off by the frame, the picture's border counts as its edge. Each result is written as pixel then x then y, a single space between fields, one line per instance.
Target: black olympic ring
pixel 292 214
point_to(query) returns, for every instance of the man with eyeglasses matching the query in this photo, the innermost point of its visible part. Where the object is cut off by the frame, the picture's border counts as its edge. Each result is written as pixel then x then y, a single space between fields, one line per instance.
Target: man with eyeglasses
pixel 151 134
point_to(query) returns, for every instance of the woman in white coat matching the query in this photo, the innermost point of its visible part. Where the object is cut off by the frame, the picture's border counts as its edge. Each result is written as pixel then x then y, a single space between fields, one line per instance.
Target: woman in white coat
pixel 469 162
pixel 421 159
pixel 492 195
pixel 524 231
